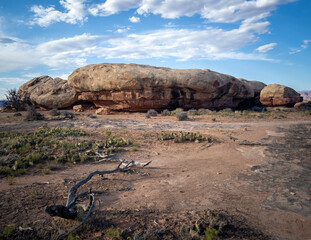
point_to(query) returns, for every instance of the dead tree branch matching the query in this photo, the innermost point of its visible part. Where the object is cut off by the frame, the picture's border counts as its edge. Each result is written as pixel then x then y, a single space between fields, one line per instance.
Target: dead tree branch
pixel 69 211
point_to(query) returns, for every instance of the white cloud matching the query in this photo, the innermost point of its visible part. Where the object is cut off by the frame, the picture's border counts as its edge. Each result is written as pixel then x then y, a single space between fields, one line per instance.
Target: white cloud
pixel 123 30
pixel 12 80
pixel 182 44
pixel 75 13
pixel 266 47
pixel 303 46
pixel 134 19
pixel 64 76
pixel 110 7
pixel 227 11
pixel 17 54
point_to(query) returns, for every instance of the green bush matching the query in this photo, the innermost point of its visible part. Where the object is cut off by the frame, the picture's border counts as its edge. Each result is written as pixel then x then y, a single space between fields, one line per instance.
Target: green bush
pixel 210 234
pixel 54 112
pixel 8 230
pixel 166 112
pixel 32 114
pixel 13 100
pixel 193 112
pixel 181 116
pixel 152 113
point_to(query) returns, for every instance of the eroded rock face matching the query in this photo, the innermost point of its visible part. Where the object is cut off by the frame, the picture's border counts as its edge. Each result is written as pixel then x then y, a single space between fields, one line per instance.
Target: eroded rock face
pixel 279 95
pixel 49 93
pixel 133 87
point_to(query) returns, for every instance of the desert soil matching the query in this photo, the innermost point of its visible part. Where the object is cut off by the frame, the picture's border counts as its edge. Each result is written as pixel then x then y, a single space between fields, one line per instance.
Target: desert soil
pixel 263 189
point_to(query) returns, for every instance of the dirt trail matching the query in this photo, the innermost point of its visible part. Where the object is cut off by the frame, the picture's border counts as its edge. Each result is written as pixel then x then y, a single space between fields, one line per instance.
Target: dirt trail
pixel 267 185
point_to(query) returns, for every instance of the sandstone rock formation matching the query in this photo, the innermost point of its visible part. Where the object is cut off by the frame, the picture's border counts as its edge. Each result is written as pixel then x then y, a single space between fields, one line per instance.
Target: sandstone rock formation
pixel 135 87
pixel 49 93
pixel 279 95
pixel 302 106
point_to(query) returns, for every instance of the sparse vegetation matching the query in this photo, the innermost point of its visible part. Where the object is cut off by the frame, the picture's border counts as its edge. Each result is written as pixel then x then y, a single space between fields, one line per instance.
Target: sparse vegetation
pixel 13 100
pixel 166 112
pixel 11 180
pixel 181 116
pixel 32 114
pixel 32 194
pixel 46 171
pixel 20 151
pixel 114 233
pixel 152 113
pixel 8 230
pixel 210 234
pixel 135 146
pixel 177 110
pixel 193 112
pixel 180 137
pixel 54 112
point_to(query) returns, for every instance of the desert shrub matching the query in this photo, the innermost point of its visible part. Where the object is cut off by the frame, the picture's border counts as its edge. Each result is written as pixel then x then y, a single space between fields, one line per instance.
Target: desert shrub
pixel 135 146
pixel 177 110
pixel 54 112
pixel 8 230
pixel 114 233
pixel 13 100
pixel 90 115
pixel 202 111
pixel 46 171
pixel 68 115
pixel 11 180
pixel 147 115
pixel 17 115
pixel 166 112
pixel 32 114
pixel 152 112
pixel 181 116
pixel 180 137
pixel 193 112
pixel 227 110
pixel 210 234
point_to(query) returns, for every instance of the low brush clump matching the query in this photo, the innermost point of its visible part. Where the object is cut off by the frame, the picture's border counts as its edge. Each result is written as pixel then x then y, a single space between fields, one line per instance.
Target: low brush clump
pixel 20 151
pixel 181 116
pixel 180 137
pixel 32 114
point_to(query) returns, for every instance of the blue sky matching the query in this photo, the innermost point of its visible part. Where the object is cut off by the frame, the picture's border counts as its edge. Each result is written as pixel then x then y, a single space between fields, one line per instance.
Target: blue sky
pixel 263 40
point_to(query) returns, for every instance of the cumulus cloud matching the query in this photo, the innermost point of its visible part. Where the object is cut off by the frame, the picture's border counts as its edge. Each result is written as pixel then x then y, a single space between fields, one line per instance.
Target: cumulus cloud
pixel 181 44
pixel 215 11
pixel 134 19
pixel 303 46
pixel 74 13
pixel 266 47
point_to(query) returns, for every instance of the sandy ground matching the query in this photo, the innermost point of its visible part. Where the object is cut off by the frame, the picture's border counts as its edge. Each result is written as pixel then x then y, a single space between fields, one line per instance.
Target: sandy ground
pixel 267 185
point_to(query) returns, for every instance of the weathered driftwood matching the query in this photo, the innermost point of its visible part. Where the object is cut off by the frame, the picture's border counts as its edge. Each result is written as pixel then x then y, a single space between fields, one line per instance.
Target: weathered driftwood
pixel 69 211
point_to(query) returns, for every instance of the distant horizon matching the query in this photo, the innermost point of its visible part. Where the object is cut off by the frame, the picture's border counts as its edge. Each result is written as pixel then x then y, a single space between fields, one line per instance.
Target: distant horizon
pixel 258 40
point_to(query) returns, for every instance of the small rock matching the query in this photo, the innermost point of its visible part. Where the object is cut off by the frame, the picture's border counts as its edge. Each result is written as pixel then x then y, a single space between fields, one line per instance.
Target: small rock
pixel 78 108
pixel 103 111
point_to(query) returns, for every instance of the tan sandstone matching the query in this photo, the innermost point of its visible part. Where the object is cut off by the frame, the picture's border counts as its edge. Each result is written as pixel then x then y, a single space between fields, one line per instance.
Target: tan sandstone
pixel 49 93
pixel 279 95
pixel 135 87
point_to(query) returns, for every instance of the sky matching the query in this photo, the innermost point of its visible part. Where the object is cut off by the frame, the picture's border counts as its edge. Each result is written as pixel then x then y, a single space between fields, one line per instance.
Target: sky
pixel 262 40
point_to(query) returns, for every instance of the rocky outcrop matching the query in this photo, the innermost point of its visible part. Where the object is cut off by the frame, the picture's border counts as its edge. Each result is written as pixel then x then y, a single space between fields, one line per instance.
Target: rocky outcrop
pixel 49 93
pixel 302 106
pixel 279 95
pixel 306 95
pixel 135 87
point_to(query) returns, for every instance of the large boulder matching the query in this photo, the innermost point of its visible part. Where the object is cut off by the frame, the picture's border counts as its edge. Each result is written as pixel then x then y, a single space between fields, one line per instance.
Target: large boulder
pixel 135 87
pixel 49 93
pixel 279 95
